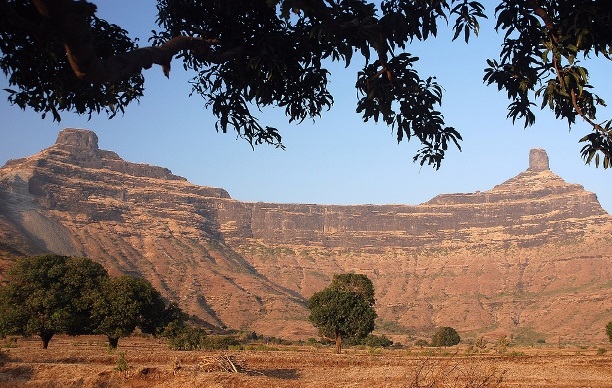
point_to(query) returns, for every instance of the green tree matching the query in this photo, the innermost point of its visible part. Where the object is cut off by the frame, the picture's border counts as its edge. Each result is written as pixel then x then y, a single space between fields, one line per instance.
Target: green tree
pixel 354 283
pixel 345 309
pixel 445 336
pixel 124 303
pixel 249 54
pixel 609 330
pixel 49 294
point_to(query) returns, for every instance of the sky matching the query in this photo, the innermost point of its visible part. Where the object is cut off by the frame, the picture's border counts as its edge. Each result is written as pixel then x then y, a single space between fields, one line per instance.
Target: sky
pixel 337 159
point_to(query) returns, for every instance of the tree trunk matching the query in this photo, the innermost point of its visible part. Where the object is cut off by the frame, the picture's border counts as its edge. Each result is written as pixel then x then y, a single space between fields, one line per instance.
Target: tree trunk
pixel 113 342
pixel 338 343
pixel 46 337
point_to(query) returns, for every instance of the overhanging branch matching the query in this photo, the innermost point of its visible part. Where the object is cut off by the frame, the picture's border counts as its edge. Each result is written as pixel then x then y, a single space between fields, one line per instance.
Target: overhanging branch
pixel 71 20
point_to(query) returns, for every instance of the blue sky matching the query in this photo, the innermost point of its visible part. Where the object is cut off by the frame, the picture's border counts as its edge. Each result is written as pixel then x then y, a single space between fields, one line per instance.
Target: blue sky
pixel 338 159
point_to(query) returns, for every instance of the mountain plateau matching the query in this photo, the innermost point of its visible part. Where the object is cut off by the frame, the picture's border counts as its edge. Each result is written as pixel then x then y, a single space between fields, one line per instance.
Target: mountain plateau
pixel 529 258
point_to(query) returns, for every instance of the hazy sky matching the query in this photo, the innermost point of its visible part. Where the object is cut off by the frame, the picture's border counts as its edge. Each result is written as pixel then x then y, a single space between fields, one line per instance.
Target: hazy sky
pixel 338 159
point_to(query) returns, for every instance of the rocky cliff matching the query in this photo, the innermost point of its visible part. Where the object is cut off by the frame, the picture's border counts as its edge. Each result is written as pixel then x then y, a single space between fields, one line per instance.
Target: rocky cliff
pixel 530 257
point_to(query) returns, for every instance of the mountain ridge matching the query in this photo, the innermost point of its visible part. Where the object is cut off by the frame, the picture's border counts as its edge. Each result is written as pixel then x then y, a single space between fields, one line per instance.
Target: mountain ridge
pixel 531 249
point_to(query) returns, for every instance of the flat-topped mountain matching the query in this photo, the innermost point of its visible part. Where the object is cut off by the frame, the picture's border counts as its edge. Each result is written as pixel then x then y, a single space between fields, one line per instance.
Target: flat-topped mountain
pixel 530 257
pixel 534 207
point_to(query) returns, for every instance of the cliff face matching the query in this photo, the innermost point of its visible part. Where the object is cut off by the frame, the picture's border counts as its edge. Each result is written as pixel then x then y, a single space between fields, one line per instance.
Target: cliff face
pixel 534 207
pixel 529 257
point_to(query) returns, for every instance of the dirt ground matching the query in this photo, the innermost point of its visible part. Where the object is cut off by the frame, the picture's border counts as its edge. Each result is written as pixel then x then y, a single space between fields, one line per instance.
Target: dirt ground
pixel 87 362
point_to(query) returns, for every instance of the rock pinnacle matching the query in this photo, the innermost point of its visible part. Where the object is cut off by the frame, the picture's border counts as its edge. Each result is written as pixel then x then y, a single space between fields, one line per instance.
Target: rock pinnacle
pixel 80 138
pixel 538 160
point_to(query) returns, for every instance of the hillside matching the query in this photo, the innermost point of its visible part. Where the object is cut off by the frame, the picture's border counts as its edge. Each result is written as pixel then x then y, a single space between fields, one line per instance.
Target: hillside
pixel 530 258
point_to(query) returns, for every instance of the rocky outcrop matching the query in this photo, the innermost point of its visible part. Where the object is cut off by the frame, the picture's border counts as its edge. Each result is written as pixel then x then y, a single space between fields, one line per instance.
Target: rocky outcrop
pixel 530 209
pixel 530 256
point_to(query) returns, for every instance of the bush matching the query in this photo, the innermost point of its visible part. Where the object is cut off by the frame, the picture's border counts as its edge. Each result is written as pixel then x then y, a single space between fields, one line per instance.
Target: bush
pixel 312 341
pixel 377 341
pixel 481 343
pixel 502 344
pixel 219 342
pixel 609 330
pixel 445 336
pixel 421 343
pixel 195 338
pixel 122 365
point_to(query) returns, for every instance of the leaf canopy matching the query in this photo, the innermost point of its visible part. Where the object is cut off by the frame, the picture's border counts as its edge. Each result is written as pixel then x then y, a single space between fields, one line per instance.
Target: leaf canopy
pixel 247 55
pixel 345 309
pixel 49 294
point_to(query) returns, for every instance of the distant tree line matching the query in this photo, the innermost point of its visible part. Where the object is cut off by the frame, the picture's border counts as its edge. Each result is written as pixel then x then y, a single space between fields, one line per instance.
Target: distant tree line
pixel 53 294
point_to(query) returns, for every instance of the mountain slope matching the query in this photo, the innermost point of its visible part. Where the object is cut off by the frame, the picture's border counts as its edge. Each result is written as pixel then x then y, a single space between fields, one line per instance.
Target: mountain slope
pixel 530 257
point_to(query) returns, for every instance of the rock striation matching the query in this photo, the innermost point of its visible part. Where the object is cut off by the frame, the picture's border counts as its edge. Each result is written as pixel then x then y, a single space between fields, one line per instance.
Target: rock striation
pixel 532 208
pixel 530 257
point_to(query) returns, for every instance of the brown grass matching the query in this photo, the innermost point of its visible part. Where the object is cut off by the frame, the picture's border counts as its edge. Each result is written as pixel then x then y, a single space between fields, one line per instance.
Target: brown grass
pixel 87 362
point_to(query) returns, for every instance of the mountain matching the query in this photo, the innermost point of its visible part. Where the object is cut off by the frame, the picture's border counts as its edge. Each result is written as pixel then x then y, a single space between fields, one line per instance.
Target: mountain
pixel 529 258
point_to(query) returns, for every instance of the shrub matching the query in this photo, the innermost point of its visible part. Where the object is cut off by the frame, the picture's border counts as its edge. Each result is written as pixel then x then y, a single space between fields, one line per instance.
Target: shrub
pixel 376 341
pixel 122 365
pixel 186 338
pixel 445 336
pixel 195 338
pixel 502 344
pixel 481 342
pixel 421 343
pixel 9 342
pixel 219 342
pixel 312 341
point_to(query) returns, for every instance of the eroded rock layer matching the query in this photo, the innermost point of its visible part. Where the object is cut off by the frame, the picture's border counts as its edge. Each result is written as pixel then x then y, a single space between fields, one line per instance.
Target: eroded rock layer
pixel 530 257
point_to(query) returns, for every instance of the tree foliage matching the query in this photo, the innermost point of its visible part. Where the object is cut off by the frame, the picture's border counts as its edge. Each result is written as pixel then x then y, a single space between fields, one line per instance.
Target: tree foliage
pixel 609 331
pixel 445 336
pixel 249 54
pixel 354 283
pixel 345 309
pixel 546 43
pixel 125 303
pixel 49 294
pixel 377 341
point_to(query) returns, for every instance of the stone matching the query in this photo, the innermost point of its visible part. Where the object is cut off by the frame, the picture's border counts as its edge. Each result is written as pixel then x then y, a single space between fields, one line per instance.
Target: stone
pixel 79 138
pixel 538 160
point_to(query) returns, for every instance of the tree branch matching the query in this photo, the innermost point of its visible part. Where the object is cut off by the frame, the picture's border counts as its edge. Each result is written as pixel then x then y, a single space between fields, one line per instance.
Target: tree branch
pixel 72 17
pixel 548 21
pixel 550 26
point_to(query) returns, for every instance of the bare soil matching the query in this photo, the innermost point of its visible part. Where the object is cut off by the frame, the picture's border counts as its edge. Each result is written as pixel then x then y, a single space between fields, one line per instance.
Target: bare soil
pixel 87 362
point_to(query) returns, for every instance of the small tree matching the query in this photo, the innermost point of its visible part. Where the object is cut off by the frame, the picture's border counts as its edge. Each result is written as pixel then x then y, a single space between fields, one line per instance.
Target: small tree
pixel 445 336
pixel 125 303
pixel 344 309
pixel 609 331
pixel 49 294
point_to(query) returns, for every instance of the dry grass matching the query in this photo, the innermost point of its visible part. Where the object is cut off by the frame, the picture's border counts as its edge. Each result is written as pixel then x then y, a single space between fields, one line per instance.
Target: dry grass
pixel 87 362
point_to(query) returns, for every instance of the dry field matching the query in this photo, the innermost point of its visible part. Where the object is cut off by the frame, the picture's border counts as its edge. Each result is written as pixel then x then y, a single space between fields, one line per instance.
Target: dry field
pixel 87 362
